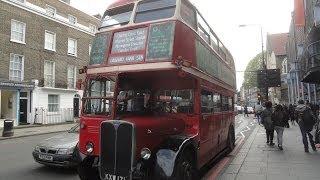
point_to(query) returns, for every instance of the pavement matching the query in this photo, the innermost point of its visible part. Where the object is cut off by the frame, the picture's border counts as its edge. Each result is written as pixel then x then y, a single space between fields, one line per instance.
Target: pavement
pixel 38 130
pixel 258 161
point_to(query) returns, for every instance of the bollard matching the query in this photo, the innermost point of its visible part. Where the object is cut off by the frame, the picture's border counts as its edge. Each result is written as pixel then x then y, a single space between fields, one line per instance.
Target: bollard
pixel 7 128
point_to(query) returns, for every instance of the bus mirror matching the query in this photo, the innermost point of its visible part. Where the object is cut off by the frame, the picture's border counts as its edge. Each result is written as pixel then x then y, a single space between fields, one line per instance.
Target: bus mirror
pixel 83 70
pixel 79 84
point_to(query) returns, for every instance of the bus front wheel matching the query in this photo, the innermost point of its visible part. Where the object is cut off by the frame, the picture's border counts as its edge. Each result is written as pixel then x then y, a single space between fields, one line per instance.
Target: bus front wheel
pixel 86 171
pixel 231 139
pixel 185 168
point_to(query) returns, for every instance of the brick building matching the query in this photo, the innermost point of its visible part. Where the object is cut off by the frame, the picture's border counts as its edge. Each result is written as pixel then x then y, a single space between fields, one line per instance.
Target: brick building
pixel 43 43
pixel 303 50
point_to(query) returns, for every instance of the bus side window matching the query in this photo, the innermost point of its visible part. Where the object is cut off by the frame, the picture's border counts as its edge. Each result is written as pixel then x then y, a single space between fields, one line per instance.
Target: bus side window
pixel 206 102
pixel 216 102
pixel 230 103
pixel 225 103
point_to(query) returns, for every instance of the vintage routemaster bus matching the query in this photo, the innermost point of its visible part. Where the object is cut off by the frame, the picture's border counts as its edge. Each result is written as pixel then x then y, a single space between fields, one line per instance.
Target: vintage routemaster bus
pixel 159 94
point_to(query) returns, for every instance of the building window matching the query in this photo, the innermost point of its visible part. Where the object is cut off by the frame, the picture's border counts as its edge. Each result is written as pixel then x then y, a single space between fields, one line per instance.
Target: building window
pixel 71 77
pixel 72 47
pixel 50 41
pixel 51 11
pixel 53 103
pixel 72 19
pixel 49 73
pixel 92 28
pixel 18 31
pixel 16 67
pixel 90 47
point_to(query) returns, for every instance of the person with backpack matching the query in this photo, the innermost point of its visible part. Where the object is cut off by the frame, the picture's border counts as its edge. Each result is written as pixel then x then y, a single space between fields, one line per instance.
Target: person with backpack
pixel 279 122
pixel 306 121
pixel 266 120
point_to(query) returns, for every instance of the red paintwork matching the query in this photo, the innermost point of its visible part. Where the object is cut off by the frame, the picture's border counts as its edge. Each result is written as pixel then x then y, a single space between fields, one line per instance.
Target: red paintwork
pixel 208 129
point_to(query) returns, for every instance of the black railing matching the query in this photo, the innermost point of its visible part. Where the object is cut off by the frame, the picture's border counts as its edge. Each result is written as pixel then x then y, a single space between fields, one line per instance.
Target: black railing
pixel 314 55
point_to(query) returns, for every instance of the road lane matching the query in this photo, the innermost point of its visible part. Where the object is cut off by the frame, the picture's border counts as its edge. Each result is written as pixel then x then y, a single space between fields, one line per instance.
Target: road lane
pixel 17 162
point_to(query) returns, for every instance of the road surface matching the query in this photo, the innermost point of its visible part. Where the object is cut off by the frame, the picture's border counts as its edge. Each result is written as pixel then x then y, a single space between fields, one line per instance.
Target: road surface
pixel 17 162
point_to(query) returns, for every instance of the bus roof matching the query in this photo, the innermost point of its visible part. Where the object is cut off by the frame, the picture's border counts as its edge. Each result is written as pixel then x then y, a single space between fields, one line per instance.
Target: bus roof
pixel 117 3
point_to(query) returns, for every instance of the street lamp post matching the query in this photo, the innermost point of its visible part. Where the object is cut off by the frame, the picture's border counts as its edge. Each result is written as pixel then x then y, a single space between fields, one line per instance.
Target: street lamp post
pixel 264 62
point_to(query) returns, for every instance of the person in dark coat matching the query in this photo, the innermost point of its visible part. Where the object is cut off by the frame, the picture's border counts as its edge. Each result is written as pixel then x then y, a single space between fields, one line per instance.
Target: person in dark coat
pixel 279 122
pixel 266 120
pixel 292 114
pixel 306 121
pixel 286 115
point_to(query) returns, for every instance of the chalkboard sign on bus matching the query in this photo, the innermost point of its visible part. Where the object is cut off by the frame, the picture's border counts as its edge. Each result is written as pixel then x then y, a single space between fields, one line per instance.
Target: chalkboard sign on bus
pixel 160 42
pixel 99 47
pixel 129 41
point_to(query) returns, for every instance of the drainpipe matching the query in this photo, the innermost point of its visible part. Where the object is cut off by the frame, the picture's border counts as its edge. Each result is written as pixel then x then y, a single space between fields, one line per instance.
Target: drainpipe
pixel 309 93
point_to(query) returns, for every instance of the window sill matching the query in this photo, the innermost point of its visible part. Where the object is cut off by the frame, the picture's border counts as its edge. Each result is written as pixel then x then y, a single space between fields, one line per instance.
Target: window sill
pixel 50 50
pixel 19 42
pixel 73 55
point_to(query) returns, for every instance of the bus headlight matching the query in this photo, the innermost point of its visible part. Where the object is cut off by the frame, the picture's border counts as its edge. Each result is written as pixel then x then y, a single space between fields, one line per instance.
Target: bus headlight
pixel 145 153
pixel 89 147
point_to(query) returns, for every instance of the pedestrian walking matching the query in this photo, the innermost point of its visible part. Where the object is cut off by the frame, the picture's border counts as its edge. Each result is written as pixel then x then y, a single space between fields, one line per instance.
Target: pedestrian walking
pixel 279 122
pixel 259 110
pixel 266 120
pixel 292 114
pixel 246 113
pixel 286 115
pixel 306 121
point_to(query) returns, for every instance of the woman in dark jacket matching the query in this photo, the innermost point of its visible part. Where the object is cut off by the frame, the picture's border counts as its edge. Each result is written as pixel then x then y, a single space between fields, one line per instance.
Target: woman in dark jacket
pixel 266 120
pixel 279 122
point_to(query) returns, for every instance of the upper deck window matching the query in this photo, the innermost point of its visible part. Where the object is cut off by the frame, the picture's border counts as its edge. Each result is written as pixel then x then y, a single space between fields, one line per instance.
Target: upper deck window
pixel 117 16
pixel 150 10
pixel 188 14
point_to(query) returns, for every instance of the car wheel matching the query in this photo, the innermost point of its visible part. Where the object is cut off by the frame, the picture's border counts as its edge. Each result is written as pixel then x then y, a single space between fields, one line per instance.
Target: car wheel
pixel 185 168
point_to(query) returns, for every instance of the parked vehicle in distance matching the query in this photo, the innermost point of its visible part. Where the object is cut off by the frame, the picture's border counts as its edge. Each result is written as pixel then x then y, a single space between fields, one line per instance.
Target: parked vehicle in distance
pixel 239 109
pixel 59 150
pixel 250 110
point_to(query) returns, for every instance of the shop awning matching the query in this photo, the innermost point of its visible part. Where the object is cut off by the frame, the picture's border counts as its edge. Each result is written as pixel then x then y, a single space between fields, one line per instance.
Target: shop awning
pixel 312 76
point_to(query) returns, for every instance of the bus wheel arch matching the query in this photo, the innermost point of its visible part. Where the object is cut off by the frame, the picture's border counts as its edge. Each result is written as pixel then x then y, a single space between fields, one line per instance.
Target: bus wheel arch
pixel 186 165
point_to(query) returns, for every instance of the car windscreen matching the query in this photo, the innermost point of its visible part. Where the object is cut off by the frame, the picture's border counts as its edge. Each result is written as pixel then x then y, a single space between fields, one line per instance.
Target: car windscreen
pixel 75 129
pixel 117 16
pixel 150 10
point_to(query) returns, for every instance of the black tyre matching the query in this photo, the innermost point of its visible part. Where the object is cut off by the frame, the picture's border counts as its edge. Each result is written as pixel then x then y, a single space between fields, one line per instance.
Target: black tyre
pixel 185 168
pixel 231 140
pixel 87 172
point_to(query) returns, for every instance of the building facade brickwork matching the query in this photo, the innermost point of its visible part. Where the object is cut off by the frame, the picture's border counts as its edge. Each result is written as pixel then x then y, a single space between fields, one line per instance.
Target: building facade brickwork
pixel 32 13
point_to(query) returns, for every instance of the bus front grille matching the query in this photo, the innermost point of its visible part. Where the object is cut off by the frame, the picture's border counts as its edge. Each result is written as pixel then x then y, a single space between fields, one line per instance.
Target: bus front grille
pixel 117 149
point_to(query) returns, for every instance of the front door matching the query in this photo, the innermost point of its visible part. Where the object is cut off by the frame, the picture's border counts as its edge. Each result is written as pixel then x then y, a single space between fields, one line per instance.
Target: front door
pixel 23 111
pixel 76 109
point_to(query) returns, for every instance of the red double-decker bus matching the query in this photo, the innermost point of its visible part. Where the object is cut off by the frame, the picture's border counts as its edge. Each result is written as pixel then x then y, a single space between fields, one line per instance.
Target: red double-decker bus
pixel 159 94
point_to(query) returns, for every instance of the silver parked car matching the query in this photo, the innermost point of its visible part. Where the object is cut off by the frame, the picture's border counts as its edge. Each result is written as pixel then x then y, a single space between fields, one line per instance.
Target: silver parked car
pixel 60 150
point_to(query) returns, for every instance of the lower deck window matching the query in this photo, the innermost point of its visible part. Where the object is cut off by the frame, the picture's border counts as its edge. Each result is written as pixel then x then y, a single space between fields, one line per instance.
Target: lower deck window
pixel 161 101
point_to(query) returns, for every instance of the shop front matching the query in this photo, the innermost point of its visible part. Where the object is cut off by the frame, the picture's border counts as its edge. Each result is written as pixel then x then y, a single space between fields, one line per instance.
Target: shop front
pixel 15 102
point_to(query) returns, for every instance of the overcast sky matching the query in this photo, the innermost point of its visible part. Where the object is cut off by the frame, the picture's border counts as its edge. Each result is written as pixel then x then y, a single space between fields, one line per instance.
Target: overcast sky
pixel 224 16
